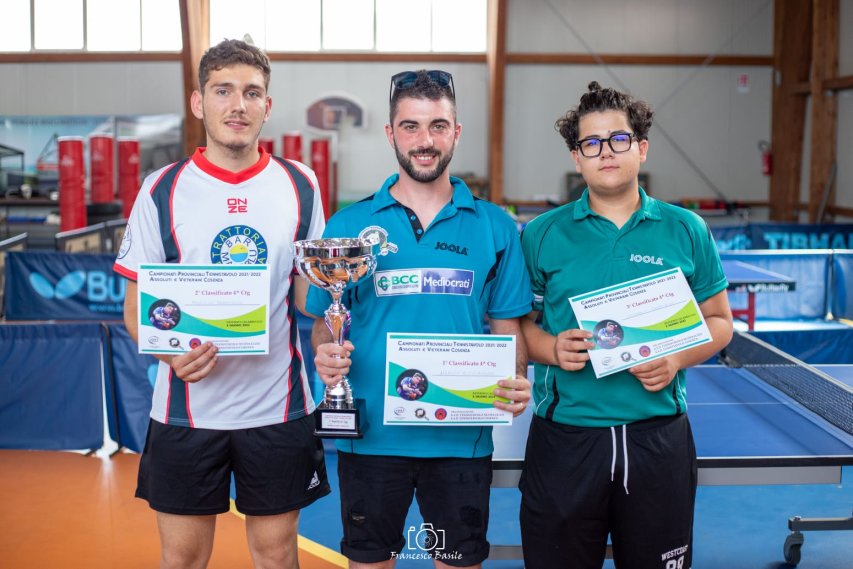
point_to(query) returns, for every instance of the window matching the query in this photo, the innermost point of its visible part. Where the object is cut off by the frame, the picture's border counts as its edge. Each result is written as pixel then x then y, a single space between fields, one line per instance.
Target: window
pixel 161 26
pixel 292 25
pixel 359 25
pixel 90 25
pixel 415 26
pixel 15 26
pixel 112 25
pixel 58 24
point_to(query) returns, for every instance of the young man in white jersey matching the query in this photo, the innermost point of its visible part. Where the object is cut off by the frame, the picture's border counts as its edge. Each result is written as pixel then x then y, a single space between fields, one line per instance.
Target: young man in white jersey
pixel 250 416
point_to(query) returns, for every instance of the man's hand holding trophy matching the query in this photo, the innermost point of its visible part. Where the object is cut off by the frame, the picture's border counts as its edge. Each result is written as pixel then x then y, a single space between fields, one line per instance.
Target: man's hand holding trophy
pixel 331 264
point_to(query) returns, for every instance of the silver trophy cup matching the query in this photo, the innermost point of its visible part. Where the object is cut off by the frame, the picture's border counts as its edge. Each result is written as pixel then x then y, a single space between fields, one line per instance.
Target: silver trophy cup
pixel 332 264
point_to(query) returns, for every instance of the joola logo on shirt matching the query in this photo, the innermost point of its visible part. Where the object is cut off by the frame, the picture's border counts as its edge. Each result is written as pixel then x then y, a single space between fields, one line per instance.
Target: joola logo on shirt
pixel 648 259
pixel 239 245
pixel 459 249
pixel 424 281
pixel 238 205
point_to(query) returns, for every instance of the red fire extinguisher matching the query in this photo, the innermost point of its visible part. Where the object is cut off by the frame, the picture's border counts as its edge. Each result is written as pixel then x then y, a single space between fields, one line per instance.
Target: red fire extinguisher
pixel 766 157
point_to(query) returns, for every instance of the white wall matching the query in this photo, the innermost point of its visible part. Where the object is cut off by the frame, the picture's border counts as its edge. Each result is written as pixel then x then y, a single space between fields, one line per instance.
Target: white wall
pixel 714 124
pixel 649 27
pixel 700 108
pixel 365 158
pixel 90 88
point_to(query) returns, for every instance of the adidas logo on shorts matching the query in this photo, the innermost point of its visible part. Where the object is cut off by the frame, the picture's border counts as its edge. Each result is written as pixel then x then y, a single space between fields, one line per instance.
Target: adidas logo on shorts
pixel 315 481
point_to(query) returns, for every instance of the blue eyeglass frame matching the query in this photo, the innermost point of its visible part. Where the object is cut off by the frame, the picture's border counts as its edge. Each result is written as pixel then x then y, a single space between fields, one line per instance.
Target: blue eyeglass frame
pixel 407 79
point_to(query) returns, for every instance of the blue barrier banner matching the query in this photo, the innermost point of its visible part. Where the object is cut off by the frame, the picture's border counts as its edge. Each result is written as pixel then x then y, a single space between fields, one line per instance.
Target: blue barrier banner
pixel 809 270
pixel 130 391
pixel 48 285
pixel 818 346
pixel 50 386
pixel 731 238
pixel 801 236
pixel 842 284
pixel 783 236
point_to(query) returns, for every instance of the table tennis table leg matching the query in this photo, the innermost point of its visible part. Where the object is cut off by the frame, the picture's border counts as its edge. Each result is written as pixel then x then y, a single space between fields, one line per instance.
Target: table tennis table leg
pixel 750 311
pixel 797 525
pixel 746 314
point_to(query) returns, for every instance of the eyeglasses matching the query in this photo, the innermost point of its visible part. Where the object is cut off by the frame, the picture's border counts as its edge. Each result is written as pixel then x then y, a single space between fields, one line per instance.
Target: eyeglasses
pixel 619 142
pixel 407 79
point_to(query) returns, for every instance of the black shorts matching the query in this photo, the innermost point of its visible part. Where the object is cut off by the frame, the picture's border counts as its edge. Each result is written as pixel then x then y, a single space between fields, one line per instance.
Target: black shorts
pixel 574 495
pixel 277 468
pixel 453 496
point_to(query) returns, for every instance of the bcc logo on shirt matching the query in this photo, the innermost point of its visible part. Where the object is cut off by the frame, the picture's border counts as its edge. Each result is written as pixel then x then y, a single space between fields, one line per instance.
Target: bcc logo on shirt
pixel 424 281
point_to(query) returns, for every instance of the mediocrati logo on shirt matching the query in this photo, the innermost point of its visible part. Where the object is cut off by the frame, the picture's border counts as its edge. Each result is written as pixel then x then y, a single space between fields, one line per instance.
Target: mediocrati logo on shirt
pixel 424 281
pixel 239 245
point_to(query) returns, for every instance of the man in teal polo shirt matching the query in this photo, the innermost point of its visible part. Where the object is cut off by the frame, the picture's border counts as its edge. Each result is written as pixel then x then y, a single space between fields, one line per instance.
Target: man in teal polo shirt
pixel 452 261
pixel 626 464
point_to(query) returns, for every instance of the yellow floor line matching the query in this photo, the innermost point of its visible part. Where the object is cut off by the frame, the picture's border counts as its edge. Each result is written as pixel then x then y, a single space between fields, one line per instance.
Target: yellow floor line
pixel 307 545
pixel 322 552
pixel 846 321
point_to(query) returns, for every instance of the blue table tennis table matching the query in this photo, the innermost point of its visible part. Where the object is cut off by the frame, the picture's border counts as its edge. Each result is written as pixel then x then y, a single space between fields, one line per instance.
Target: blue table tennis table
pixel 746 433
pixel 748 278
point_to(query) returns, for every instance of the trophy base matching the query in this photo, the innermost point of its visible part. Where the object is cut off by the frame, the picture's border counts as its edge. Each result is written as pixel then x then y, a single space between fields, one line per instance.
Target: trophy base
pixel 339 423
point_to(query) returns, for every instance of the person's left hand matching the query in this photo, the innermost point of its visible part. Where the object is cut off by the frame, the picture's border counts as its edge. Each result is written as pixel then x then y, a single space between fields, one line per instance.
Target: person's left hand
pixel 517 391
pixel 657 374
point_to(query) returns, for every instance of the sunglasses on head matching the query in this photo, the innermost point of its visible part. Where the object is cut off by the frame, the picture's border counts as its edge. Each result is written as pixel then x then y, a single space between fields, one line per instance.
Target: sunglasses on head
pixel 407 79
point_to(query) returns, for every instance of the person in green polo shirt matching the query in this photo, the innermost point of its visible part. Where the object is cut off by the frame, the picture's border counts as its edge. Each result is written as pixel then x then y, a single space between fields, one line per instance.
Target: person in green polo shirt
pixel 613 455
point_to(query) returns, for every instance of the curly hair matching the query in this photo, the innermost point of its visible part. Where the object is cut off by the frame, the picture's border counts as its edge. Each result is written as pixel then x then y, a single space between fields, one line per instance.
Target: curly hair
pixel 232 52
pixel 598 99
pixel 423 88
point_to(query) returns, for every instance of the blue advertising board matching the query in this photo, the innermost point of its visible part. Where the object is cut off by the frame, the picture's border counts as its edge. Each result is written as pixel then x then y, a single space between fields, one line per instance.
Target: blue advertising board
pixel 48 285
pixel 783 236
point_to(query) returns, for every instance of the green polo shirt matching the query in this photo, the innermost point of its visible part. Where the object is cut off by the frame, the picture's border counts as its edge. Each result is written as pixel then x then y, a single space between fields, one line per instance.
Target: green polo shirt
pixel 572 250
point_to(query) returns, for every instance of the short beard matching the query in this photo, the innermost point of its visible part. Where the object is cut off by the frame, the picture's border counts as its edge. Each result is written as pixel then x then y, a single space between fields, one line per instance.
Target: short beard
pixel 423 177
pixel 236 150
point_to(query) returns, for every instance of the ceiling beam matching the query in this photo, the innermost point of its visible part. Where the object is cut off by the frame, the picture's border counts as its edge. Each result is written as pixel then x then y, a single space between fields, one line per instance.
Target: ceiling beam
pixel 638 59
pixel 792 47
pixel 824 108
pixel 496 63
pixel 195 30
pixel 839 83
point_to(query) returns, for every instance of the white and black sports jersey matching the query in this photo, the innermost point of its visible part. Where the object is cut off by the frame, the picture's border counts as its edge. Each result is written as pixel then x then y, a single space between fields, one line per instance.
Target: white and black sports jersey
pixel 193 212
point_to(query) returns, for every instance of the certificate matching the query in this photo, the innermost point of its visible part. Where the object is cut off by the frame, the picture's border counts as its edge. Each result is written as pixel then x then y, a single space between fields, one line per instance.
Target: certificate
pixel 438 380
pixel 640 320
pixel 182 306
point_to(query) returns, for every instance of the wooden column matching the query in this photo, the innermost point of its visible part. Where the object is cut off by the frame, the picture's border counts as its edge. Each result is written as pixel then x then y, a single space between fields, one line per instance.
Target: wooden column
pixel 824 111
pixel 496 62
pixel 791 61
pixel 195 30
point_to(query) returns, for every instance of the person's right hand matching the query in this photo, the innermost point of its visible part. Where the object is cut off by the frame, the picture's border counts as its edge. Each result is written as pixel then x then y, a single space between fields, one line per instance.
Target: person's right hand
pixel 569 349
pixel 196 364
pixel 332 361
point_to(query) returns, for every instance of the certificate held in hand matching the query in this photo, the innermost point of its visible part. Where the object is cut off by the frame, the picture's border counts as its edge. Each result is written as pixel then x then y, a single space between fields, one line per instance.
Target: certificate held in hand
pixel 640 320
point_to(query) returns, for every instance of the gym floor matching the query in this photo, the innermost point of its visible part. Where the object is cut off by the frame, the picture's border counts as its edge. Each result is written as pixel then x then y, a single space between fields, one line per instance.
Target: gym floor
pixel 62 509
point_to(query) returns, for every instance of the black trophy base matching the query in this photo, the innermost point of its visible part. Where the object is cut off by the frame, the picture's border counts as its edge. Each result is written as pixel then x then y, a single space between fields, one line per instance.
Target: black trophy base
pixel 339 423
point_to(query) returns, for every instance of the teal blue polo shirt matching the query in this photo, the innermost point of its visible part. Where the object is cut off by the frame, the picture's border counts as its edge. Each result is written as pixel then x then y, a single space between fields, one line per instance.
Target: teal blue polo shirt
pixel 572 250
pixel 468 265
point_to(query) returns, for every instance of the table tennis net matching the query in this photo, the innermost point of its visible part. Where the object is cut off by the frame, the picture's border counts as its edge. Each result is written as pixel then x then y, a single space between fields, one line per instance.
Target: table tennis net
pixel 812 388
